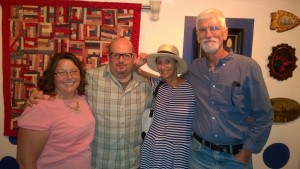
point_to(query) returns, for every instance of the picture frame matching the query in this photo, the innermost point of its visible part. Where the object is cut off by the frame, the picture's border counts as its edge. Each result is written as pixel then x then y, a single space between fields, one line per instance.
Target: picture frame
pixel 235 40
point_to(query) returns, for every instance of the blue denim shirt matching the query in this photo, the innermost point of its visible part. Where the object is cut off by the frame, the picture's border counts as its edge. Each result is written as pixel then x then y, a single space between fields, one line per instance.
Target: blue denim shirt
pixel 227 97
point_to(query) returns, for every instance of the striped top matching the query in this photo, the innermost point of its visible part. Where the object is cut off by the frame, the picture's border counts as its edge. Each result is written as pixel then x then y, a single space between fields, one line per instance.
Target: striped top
pixel 167 143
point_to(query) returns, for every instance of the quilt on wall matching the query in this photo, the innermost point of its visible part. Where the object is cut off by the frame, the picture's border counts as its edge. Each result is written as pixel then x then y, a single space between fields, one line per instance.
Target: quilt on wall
pixel 34 30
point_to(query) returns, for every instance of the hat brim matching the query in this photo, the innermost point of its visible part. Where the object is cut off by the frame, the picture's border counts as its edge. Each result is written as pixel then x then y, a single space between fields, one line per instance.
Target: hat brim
pixel 181 64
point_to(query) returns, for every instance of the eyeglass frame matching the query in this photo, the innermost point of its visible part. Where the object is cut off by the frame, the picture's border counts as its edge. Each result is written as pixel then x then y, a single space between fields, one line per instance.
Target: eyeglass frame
pixel 117 56
pixel 212 29
pixel 63 74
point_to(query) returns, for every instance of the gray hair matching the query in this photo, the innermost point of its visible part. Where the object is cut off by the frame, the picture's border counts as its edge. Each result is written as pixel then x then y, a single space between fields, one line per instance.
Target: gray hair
pixel 209 13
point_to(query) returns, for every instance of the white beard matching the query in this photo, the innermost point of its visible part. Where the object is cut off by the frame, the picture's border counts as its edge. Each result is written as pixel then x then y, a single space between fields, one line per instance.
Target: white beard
pixel 210 46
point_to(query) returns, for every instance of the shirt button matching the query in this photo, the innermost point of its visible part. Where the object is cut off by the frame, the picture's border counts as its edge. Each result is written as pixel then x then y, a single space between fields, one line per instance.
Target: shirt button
pixel 213 102
pixel 214 86
pixel 213 118
pixel 224 64
pixel 216 135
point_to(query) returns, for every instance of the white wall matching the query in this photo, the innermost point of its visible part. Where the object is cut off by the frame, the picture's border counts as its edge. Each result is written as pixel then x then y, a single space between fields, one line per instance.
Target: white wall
pixel 170 29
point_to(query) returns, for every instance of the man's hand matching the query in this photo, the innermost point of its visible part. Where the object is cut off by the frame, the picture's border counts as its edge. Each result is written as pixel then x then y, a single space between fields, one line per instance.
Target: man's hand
pixel 36 94
pixel 243 156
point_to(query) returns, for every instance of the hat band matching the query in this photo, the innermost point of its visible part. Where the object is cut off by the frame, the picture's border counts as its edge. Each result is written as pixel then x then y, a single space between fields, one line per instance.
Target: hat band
pixel 163 51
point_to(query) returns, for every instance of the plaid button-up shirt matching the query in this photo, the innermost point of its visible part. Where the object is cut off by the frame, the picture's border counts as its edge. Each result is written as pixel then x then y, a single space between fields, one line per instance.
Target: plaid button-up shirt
pixel 118 115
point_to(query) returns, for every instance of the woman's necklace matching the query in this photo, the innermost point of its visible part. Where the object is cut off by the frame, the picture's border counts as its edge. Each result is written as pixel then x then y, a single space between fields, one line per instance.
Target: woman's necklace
pixel 75 109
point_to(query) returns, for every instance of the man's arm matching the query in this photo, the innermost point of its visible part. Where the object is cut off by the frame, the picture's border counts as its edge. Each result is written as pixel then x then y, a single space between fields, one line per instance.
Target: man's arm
pixel 261 112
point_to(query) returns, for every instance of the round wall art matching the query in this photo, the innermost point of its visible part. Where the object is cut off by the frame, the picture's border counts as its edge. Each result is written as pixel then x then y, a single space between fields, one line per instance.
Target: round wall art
pixel 282 61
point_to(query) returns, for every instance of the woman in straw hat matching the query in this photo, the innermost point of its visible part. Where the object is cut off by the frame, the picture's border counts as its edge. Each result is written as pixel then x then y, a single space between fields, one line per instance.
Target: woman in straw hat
pixel 167 142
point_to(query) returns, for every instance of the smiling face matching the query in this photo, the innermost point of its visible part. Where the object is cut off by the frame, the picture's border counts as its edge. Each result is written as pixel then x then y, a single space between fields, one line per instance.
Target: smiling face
pixel 167 67
pixel 211 34
pixel 121 67
pixel 66 79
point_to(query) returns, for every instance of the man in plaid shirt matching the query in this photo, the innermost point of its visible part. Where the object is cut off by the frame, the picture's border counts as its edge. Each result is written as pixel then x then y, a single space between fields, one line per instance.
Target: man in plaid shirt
pixel 117 96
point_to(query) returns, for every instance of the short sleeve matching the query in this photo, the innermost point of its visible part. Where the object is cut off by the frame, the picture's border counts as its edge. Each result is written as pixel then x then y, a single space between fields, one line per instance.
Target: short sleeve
pixel 34 118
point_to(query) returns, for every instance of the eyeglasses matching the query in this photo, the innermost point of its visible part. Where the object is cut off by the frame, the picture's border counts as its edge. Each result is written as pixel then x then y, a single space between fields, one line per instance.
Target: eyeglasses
pixel 213 29
pixel 65 73
pixel 126 56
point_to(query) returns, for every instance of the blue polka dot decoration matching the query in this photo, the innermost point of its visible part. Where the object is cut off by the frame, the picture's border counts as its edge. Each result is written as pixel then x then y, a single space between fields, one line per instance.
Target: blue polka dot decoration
pixel 8 163
pixel 276 155
pixel 13 140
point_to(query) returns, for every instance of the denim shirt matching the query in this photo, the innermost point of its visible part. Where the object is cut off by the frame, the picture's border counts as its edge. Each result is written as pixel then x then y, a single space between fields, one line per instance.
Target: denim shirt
pixel 227 97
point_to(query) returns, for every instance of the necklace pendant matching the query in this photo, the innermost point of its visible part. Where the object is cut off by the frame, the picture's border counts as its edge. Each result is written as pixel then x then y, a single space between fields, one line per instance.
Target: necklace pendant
pixel 75 109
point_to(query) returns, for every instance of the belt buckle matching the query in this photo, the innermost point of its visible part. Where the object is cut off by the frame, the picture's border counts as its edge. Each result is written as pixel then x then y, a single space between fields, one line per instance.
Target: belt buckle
pixel 221 148
pixel 214 146
pixel 217 147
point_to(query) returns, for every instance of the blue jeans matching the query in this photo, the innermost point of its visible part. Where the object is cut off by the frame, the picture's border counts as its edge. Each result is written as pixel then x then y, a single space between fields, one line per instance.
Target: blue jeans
pixel 202 157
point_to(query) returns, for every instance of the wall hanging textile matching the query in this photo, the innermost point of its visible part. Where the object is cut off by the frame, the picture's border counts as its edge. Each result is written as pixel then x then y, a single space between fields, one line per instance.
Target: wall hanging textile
pixel 34 30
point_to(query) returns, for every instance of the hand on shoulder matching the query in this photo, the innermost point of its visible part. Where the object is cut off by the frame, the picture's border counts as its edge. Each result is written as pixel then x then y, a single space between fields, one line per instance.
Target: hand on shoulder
pixel 33 98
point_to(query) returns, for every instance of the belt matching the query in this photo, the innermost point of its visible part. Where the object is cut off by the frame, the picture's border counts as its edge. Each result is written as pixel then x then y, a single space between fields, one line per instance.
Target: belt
pixel 232 149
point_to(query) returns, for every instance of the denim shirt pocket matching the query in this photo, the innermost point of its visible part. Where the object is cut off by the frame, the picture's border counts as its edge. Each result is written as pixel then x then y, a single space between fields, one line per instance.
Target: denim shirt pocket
pixel 236 96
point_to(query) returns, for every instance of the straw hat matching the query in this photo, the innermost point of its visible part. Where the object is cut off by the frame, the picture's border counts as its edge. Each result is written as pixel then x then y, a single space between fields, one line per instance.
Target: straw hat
pixel 167 50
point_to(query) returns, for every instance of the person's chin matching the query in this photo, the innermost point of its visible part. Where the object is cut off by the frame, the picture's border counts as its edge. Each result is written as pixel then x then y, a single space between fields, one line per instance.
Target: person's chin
pixel 210 50
pixel 121 71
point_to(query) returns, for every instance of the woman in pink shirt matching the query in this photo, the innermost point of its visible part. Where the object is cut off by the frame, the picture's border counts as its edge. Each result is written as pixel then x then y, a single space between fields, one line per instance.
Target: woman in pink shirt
pixel 57 132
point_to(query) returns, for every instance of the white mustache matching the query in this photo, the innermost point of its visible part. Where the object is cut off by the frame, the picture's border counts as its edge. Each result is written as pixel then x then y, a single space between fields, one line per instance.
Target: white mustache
pixel 209 40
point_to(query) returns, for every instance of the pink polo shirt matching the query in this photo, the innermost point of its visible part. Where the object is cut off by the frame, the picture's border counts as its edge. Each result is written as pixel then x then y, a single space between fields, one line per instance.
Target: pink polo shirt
pixel 68 145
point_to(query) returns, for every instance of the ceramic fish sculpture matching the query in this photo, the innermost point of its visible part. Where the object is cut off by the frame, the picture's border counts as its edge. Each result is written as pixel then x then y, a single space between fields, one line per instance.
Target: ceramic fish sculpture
pixel 283 21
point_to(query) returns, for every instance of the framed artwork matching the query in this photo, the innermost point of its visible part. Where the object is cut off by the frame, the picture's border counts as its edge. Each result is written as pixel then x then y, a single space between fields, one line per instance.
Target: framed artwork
pixel 34 30
pixel 240 37
pixel 282 61
pixel 234 41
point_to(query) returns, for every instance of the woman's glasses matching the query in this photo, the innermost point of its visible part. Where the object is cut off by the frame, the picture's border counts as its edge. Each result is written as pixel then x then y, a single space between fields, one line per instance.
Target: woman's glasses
pixel 65 73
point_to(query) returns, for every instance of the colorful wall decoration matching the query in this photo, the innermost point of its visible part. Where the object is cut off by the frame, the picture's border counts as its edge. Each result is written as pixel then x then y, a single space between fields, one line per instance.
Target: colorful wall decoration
pixel 34 30
pixel 282 61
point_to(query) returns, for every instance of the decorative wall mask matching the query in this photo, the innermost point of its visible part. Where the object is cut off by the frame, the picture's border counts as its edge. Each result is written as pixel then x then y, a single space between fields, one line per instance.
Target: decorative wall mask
pixel 282 61
pixel 283 21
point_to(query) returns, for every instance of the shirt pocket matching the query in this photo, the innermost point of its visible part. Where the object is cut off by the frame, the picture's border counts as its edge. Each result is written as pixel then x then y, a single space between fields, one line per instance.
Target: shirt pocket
pixel 237 96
